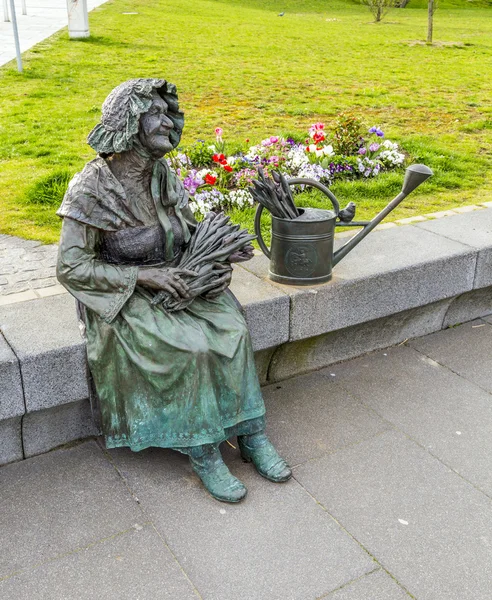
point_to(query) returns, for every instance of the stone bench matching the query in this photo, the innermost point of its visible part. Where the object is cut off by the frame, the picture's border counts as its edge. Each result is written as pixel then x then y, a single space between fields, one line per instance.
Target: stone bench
pixel 399 283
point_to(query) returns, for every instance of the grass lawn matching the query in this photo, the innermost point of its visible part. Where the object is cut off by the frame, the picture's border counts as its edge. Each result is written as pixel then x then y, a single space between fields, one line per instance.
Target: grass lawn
pixel 239 65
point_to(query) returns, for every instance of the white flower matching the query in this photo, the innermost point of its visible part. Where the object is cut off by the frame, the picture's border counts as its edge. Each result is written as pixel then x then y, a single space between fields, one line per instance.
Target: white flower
pixel 390 145
pixel 319 153
pixel 240 198
pixel 204 202
pixel 183 159
pixel 312 147
pixel 231 160
pixel 296 158
pixel 391 158
pixel 314 171
pixel 254 151
pixel 328 150
pixel 203 172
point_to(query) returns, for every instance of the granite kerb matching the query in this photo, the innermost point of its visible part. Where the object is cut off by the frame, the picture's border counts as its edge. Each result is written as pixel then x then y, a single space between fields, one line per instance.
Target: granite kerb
pixel 428 279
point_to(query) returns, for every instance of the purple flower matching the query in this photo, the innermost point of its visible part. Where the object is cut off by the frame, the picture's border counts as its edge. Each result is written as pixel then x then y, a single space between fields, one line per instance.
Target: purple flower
pixel 192 182
pixel 374 147
pixel 377 131
pixel 244 177
pixel 362 151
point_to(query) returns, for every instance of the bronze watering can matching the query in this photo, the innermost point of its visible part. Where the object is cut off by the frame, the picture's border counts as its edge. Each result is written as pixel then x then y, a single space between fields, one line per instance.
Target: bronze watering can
pixel 301 251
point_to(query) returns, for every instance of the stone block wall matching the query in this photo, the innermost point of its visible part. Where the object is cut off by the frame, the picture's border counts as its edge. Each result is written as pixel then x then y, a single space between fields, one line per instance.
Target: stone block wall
pixel 399 283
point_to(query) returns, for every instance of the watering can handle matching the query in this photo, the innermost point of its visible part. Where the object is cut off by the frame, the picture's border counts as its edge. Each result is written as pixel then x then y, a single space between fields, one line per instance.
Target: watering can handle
pixel 294 181
pixel 259 237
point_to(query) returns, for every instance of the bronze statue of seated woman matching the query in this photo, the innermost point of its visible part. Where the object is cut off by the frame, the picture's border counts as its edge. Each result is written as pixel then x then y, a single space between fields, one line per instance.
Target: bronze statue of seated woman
pixel 182 379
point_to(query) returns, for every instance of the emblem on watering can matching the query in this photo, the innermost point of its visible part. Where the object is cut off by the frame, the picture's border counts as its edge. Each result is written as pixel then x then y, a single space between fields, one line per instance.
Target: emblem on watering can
pixel 300 260
pixel 301 251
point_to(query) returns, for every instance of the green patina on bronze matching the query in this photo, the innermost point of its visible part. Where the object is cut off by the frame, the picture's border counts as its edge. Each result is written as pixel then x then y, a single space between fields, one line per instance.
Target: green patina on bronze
pixel 163 379
pixel 168 347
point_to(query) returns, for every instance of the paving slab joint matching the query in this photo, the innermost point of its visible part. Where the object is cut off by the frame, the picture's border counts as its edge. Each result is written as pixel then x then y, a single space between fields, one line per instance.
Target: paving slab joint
pixel 378 564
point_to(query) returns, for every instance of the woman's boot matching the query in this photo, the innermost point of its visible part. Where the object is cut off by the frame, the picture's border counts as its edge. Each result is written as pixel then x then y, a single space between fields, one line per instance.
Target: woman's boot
pixel 258 449
pixel 208 465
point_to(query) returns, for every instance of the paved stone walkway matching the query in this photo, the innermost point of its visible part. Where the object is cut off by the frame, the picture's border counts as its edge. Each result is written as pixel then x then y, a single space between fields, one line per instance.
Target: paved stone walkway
pixel 391 499
pixel 44 18
pixel 27 270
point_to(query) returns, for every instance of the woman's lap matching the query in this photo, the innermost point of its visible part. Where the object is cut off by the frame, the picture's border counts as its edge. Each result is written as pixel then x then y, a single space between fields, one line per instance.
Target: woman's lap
pixel 174 379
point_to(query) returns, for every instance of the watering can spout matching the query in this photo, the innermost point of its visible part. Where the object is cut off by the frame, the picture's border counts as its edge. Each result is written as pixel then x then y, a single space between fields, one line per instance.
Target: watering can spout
pixel 414 176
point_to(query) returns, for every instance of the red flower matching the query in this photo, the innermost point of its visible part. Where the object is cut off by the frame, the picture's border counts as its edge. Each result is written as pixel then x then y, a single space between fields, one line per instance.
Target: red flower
pixel 228 168
pixel 210 179
pixel 218 158
pixel 318 137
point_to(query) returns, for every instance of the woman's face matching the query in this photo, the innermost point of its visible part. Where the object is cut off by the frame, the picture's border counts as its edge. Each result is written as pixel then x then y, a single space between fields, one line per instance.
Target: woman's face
pixel 154 128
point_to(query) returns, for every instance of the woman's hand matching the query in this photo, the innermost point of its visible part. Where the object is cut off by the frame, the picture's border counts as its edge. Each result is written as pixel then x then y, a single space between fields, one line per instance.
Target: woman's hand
pixel 246 253
pixel 224 271
pixel 166 279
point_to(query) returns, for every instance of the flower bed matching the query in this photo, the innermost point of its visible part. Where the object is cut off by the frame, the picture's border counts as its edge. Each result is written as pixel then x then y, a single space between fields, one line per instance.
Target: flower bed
pixel 216 179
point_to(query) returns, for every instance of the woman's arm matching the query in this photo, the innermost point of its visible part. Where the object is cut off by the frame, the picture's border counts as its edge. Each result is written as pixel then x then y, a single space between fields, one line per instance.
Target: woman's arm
pixel 102 287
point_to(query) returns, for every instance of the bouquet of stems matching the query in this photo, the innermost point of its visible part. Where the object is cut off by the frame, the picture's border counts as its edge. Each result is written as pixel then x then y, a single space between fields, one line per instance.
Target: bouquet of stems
pixel 274 195
pixel 213 242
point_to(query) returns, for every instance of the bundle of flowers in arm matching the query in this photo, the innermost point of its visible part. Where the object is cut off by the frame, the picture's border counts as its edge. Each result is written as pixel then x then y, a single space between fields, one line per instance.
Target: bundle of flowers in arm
pixel 213 243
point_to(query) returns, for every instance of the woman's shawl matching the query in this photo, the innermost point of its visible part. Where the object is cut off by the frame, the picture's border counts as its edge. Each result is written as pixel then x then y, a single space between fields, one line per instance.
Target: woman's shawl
pixel 96 198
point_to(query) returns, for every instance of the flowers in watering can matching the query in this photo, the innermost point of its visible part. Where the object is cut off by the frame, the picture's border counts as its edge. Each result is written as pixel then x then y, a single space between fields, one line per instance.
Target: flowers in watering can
pixel 217 178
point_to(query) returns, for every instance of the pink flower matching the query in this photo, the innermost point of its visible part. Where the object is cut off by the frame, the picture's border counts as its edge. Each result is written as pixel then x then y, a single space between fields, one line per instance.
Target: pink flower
pixel 218 131
pixel 273 139
pixel 316 128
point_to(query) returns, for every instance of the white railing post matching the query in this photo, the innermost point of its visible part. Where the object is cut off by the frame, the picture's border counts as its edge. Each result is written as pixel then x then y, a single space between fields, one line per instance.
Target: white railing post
pixel 6 11
pixel 24 7
pixel 16 36
pixel 78 19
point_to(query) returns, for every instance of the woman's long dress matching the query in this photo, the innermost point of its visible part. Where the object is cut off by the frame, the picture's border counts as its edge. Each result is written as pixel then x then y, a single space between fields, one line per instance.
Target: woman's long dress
pixel 171 380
